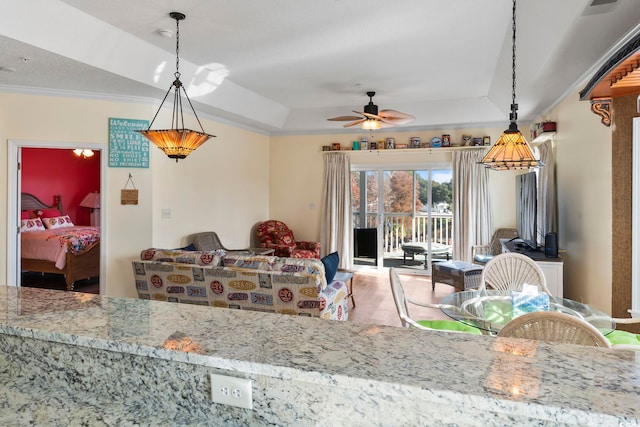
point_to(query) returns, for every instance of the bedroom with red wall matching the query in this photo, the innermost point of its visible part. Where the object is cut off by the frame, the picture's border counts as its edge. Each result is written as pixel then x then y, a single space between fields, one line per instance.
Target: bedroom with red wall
pixel 46 172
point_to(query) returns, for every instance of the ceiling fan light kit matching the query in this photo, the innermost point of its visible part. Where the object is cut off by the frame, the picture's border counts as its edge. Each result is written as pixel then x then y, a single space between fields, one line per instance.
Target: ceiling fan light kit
pixel 371 119
pixel 177 143
pixel 511 151
pixel 371 124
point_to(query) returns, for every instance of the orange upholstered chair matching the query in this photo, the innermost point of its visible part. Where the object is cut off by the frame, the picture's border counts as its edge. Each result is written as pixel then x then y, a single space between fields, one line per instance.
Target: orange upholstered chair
pixel 276 235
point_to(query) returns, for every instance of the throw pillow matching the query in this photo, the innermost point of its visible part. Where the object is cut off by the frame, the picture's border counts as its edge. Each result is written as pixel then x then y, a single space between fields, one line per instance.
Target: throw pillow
pixel 190 248
pixel 48 213
pixel 31 225
pixel 57 222
pixel 330 262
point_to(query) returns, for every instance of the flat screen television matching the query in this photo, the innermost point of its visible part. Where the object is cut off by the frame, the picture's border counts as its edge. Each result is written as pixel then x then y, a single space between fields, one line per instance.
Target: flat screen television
pixel 527 208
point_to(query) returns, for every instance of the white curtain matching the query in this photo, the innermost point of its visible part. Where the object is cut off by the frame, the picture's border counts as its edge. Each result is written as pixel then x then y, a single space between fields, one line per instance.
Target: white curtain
pixel 546 189
pixel 336 234
pixel 471 204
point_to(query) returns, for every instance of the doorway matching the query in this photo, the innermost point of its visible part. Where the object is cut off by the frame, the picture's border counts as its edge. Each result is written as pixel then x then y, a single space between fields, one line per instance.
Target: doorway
pixel 408 210
pixel 14 190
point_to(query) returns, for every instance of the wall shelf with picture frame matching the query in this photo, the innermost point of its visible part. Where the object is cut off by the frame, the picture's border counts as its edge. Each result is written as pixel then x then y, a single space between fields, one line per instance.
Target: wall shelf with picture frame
pixel 407 150
pixel 544 136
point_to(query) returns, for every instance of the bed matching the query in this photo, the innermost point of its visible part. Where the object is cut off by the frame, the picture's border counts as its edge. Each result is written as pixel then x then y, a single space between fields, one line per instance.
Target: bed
pixel 71 251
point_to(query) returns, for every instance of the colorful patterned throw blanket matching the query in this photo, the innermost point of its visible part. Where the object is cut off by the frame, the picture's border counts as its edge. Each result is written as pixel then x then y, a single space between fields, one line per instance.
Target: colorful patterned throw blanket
pixel 53 245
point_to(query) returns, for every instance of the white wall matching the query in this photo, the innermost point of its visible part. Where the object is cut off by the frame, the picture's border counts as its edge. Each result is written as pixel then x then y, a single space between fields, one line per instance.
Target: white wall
pixel 223 187
pixel 584 201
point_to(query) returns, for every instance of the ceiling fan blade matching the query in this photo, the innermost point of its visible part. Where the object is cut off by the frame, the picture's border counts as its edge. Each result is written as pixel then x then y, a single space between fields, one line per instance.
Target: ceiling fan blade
pixel 357 122
pixel 393 114
pixel 384 124
pixel 369 115
pixel 396 122
pixel 344 118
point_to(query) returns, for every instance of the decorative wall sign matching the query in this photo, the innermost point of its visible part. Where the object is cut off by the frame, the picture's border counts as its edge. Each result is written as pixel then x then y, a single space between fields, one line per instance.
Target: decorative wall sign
pixel 129 196
pixel 128 148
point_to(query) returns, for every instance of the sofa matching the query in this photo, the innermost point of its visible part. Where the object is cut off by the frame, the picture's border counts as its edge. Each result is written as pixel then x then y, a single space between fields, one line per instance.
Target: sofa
pixel 246 282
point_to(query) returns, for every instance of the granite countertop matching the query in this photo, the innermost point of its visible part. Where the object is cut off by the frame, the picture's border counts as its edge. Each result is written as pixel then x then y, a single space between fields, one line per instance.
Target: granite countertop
pixel 503 375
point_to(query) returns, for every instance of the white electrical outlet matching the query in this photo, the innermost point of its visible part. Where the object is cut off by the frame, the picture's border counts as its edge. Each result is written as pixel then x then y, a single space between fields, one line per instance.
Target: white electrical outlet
pixel 231 391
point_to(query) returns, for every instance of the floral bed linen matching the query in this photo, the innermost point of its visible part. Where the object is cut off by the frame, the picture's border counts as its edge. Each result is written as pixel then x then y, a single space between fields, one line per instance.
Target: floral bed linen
pixel 53 245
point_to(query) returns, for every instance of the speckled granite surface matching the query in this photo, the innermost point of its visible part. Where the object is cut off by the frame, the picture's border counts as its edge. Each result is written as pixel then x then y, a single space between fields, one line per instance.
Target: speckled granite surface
pixel 93 360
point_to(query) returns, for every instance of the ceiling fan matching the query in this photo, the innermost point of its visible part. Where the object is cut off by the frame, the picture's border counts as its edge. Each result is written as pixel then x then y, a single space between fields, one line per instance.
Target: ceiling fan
pixel 372 119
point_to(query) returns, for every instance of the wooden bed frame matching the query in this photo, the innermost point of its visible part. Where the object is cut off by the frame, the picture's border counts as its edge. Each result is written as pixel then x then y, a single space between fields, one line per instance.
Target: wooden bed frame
pixel 78 266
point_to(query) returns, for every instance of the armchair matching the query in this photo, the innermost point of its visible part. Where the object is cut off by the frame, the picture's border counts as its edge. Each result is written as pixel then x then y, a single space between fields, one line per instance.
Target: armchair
pixel 276 235
pixel 481 254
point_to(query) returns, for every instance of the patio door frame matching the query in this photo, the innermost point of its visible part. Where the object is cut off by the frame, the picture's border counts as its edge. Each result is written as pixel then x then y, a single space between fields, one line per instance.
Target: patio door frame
pixel 380 168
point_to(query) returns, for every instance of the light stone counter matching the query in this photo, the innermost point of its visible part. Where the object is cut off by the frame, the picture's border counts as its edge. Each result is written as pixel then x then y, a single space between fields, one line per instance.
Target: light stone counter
pixel 80 359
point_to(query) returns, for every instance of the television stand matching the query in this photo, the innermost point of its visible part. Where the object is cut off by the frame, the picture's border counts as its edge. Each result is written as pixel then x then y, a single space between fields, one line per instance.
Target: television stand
pixel 551 267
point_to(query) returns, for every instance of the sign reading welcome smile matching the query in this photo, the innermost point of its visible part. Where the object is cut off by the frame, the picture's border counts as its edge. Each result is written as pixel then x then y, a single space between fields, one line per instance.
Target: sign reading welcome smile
pixel 128 148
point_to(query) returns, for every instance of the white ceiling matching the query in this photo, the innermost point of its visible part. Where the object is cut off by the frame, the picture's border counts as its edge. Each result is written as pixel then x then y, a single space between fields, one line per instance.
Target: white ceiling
pixel 285 66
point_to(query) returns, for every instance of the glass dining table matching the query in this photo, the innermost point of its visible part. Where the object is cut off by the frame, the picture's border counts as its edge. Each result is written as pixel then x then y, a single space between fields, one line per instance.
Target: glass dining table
pixel 490 310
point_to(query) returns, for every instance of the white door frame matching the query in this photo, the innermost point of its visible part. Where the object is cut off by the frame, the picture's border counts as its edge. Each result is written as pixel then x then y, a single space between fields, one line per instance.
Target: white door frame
pixel 14 186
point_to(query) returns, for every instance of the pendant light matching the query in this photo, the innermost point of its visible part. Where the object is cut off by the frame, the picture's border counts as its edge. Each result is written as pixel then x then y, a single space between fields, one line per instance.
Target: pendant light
pixel 511 151
pixel 177 142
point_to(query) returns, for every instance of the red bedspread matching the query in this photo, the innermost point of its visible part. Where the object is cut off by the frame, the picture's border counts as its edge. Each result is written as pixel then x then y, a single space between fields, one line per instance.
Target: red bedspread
pixel 53 245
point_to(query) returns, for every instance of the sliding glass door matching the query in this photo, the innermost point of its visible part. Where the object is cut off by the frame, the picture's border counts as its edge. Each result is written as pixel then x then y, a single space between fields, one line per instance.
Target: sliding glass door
pixel 402 217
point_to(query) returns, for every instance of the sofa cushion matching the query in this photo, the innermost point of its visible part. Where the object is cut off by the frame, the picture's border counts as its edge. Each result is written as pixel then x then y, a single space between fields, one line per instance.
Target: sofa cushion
pixel 272 263
pixel 253 262
pixel 623 337
pixel 330 262
pixel 204 258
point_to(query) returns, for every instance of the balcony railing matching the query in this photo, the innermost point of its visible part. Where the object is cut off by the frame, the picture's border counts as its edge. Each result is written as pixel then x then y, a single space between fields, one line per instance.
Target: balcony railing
pixel 401 228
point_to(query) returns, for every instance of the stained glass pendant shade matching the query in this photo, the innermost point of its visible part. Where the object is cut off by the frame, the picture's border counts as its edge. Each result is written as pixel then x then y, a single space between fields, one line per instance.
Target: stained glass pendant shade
pixel 511 151
pixel 177 143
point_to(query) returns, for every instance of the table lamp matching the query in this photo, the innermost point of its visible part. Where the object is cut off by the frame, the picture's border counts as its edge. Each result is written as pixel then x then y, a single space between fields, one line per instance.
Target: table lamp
pixel 92 201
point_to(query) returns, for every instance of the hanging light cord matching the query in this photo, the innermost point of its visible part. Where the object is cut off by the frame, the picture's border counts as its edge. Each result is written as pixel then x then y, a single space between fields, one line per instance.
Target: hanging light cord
pixel 177 83
pixel 177 73
pixel 514 107
pixel 177 101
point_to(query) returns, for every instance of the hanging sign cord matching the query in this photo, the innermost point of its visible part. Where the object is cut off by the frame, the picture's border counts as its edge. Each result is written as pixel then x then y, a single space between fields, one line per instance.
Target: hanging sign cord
pixel 130 180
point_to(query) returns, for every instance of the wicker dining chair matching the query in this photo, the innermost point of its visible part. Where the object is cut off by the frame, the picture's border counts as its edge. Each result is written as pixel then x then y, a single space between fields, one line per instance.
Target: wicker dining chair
pixel 556 327
pixel 509 271
pixel 620 339
pixel 402 302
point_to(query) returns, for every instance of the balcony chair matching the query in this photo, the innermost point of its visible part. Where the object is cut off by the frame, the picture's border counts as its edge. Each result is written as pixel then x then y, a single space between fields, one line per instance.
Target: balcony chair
pixel 555 327
pixel 481 254
pixel 402 305
pixel 509 271
pixel 276 235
